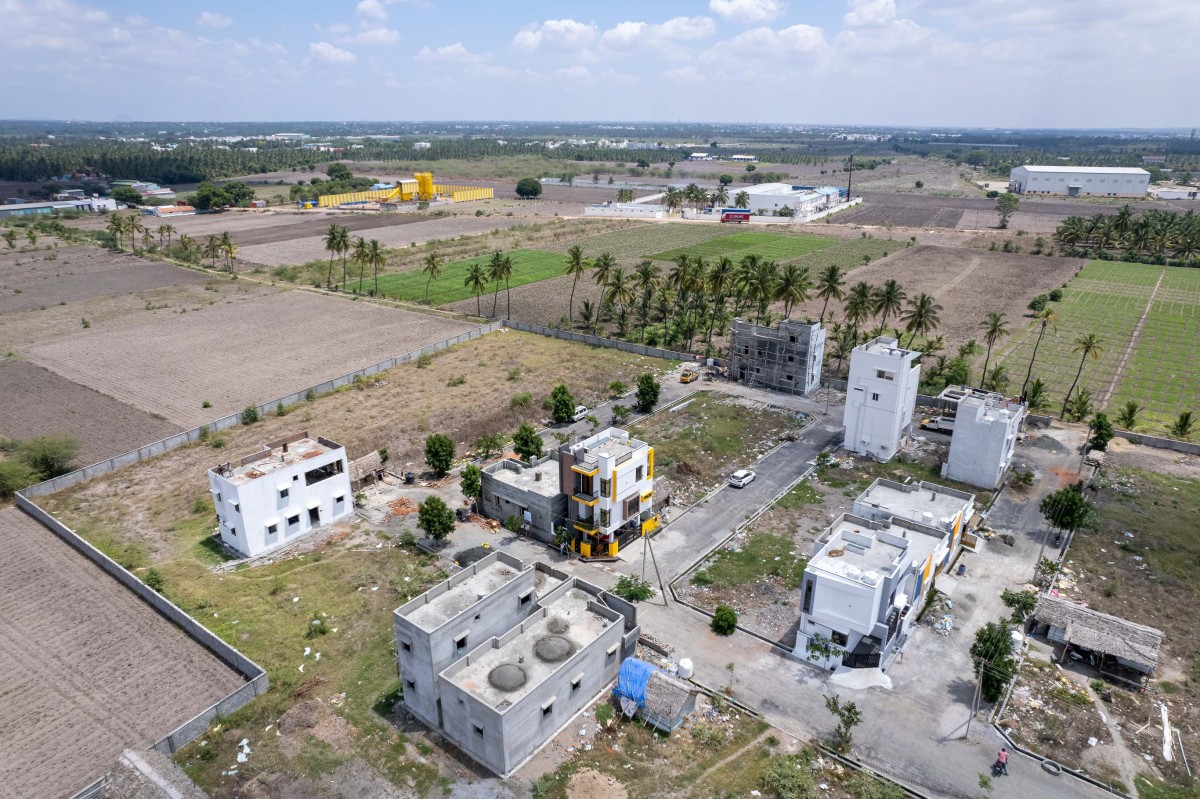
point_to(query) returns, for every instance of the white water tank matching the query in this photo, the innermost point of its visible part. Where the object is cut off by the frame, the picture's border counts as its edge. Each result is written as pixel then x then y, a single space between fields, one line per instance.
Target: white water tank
pixel 685 669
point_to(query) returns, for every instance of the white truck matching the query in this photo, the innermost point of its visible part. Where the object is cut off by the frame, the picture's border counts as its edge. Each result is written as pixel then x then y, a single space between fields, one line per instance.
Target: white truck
pixel 942 424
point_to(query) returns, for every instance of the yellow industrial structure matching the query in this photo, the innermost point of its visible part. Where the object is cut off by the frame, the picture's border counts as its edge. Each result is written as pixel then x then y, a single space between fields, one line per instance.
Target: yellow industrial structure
pixel 420 187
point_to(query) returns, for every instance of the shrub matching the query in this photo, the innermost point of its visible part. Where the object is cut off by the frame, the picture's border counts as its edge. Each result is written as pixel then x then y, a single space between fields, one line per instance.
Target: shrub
pixel 310 395
pixel 513 523
pixel 489 445
pixel 724 620
pixel 316 627
pixel 208 753
pixel 201 505
pixel 1056 295
pixel 604 713
pixel 787 778
pixel 248 416
pixel 562 404
pixel 155 580
pixel 206 404
pixel 616 389
pixel 1038 303
pixel 456 381
pixel 423 360
pixel 86 324
pixel 49 455
pixel 439 453
pixel 514 373
pixel 920 184
pixel 14 476
pixel 648 390
pixel 280 410
pixel 435 518
pixel 633 589
pixel 521 400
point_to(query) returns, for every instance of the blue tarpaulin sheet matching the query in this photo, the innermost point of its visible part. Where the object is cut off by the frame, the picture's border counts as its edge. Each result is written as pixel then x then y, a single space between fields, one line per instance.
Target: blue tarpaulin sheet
pixel 632 680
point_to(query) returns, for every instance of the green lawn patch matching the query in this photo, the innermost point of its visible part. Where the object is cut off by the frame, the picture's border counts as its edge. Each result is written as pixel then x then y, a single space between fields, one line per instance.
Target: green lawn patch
pixel 776 246
pixel 759 556
pixel 529 266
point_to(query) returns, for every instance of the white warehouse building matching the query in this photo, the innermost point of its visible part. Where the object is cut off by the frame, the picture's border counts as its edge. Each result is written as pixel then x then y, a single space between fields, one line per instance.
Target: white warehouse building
pixel 804 200
pixel 1082 181
pixel 286 490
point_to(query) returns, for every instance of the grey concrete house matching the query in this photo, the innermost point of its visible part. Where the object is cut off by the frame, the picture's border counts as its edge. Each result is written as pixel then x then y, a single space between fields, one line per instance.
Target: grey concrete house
pixel 785 358
pixel 510 487
pixel 985 436
pixel 503 654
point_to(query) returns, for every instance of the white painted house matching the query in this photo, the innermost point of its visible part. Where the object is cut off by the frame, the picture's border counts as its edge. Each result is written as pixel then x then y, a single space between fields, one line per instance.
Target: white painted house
pixel 1082 181
pixel 881 396
pixel 284 491
pixel 986 426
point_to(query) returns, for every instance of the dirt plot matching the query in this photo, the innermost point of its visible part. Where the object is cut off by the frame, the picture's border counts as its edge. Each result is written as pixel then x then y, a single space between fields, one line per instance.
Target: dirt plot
pixel 89 669
pixel 235 354
pixel 37 402
pixel 966 283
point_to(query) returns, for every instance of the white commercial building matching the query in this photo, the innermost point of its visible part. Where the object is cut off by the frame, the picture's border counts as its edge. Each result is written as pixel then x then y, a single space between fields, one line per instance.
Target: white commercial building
pixel 610 481
pixel 626 210
pixel 985 435
pixel 1083 181
pixel 881 396
pixel 273 497
pixel 806 201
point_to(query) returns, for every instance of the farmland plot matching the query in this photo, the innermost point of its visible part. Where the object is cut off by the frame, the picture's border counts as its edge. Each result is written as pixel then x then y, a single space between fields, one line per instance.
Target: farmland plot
pixel 236 354
pixel 89 669
pixel 529 266
pixel 775 246
pixel 639 241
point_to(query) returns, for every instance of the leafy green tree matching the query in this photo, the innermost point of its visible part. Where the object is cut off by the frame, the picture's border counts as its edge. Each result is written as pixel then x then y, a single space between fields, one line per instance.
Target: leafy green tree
pixel 529 188
pixel 249 415
pixel 1006 206
pixel 633 589
pixel 435 518
pixel 209 196
pixel 562 404
pixel 50 456
pixel 527 444
pixel 1068 509
pixel 992 656
pixel 338 171
pixel 472 481
pixel 848 717
pixel 489 445
pixel 1102 432
pixel 1021 602
pixel 127 195
pixel 725 180
pixel 724 620
pixel 439 453
pixel 648 390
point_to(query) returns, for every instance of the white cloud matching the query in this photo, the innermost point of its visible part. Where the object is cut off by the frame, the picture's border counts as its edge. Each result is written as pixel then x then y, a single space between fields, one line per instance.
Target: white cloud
pixel 627 35
pixel 870 12
pixel 749 12
pixel 453 53
pixel 573 73
pixel 797 40
pixel 371 9
pixel 684 75
pixel 324 51
pixel 336 29
pixel 210 20
pixel 556 34
pixel 374 36
pixel 274 48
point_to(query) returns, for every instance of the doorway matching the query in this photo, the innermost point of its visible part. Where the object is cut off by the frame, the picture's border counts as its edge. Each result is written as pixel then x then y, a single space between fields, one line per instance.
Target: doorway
pixel 314 516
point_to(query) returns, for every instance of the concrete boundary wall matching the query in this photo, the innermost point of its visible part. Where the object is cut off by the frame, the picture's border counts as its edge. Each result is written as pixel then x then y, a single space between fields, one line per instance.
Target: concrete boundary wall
pixel 600 341
pixel 188 436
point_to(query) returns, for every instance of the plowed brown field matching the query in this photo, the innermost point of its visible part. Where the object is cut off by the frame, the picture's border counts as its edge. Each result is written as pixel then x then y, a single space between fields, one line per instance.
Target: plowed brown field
pixel 87 668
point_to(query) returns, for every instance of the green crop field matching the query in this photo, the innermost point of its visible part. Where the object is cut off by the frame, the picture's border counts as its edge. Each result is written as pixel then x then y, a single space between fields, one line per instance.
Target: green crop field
pixel 529 266
pixel 1160 369
pixel 637 242
pixel 776 246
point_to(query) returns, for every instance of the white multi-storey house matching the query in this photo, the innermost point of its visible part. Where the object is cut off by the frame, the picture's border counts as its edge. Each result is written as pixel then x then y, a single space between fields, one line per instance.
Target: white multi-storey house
pixel 274 496
pixel 609 479
pixel 881 396
pixel 985 436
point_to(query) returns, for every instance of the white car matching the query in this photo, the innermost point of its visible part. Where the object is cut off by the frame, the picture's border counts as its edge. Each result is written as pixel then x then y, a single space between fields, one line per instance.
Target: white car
pixel 741 478
pixel 581 412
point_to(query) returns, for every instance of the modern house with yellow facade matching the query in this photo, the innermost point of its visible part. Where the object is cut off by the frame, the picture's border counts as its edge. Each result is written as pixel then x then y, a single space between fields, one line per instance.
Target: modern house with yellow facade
pixel 871 570
pixel 609 482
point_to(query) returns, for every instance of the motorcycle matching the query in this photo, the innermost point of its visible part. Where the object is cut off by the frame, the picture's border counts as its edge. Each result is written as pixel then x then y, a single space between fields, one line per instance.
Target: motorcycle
pixel 997 769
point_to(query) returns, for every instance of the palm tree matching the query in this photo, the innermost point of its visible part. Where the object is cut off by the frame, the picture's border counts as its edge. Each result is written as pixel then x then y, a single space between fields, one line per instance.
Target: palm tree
pixel 830 287
pixel 1049 318
pixel 116 226
pixel 994 328
pixel 212 248
pixel 344 246
pixel 618 290
pixel 887 300
pixel 332 246
pixel 228 248
pixel 997 379
pixel 575 267
pixel 1127 418
pixel 1088 346
pixel 793 287
pixel 495 270
pixel 1182 427
pixel 645 280
pixel 603 265
pixel 721 195
pixel 921 317
pixel 741 200
pixel 1035 400
pixel 147 237
pixel 673 198
pixel 165 232
pixel 359 257
pixel 376 258
pixel 187 243
pixel 433 269
pixel 858 305
pixel 587 314
pixel 476 281
pixel 506 270
pixel 718 280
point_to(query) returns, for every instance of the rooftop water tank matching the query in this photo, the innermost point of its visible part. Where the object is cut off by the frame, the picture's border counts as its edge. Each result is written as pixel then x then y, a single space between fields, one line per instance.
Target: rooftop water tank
pixel 685 669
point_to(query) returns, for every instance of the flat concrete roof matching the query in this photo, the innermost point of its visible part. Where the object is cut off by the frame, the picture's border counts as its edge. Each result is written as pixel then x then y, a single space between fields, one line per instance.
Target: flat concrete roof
pixel 568 623
pixel 273 459
pixel 453 601
pixel 1091 170
pixel 912 501
pixel 883 345
pixel 879 558
pixel 526 478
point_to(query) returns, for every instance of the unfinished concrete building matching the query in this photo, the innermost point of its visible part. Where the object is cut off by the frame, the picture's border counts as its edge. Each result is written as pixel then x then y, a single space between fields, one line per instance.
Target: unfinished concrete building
pixel 785 358
pixel 503 654
pixel 531 492
pixel 986 426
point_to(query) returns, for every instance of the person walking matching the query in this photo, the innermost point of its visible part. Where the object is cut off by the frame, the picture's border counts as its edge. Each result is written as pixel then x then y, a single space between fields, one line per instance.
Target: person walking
pixel 1002 760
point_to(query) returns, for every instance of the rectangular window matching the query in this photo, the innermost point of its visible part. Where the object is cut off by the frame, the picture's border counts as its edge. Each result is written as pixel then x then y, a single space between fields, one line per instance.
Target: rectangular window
pixel 293 520
pixel 611 654
pixel 548 709
pixel 605 517
pixel 838 638
pixel 576 683
pixel 283 493
pixel 406 646
pixel 272 529
pixel 604 484
pixel 791 359
pixel 808 596
pixel 233 531
pixel 460 644
pixel 340 499
pixel 410 687
pixel 478 730
pixel 639 473
pixel 788 378
pixel 874 397
pixel 526 598
pixel 218 496
pixel 237 508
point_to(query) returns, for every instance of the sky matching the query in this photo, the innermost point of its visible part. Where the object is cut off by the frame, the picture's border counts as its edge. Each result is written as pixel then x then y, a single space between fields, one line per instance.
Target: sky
pixel 972 63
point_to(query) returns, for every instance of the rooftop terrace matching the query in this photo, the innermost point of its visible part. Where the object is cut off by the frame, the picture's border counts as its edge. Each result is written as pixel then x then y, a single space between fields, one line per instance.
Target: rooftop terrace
pixel 275 455
pixel 448 599
pixel 866 552
pixel 611 443
pixel 526 478
pixel 914 500
pixel 502 676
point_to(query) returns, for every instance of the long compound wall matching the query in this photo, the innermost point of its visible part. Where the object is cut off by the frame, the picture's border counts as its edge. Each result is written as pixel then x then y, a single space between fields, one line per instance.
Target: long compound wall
pixel 599 341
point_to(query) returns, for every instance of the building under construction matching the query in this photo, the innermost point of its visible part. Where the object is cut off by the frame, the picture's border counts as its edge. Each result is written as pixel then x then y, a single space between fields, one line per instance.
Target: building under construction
pixel 419 188
pixel 785 358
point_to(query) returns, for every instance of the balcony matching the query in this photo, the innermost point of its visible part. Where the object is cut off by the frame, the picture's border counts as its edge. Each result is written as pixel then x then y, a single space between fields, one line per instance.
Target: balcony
pixel 585 499
pixel 588 469
pixel 587 528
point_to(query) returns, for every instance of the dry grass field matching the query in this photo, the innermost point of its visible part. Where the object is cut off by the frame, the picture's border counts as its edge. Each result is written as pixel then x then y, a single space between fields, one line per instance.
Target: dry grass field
pixel 237 353
pixel 88 668
pixel 36 402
